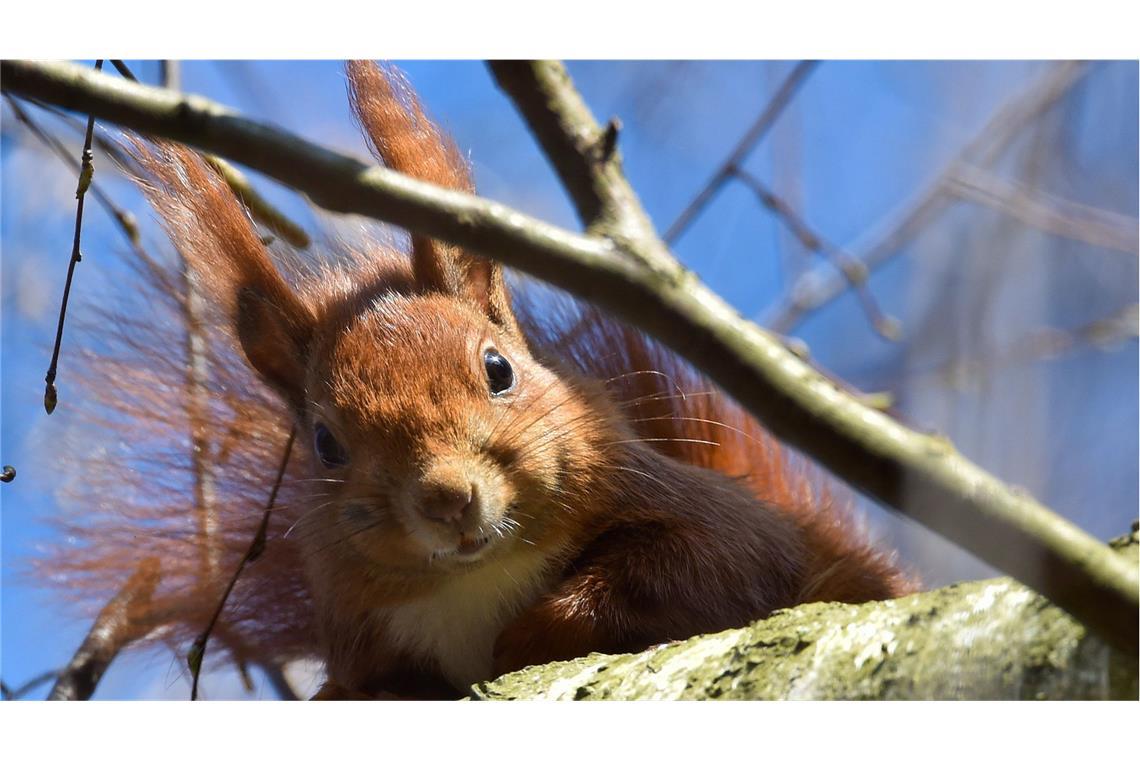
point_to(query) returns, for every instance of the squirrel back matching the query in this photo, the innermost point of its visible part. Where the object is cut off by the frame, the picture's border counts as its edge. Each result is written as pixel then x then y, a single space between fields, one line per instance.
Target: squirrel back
pixel 435 412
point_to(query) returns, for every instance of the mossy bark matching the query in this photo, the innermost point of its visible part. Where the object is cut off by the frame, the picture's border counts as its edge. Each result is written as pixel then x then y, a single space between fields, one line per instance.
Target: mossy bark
pixel 992 639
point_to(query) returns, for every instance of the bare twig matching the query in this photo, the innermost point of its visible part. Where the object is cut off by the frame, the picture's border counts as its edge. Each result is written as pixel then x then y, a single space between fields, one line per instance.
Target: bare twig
pixel 735 159
pixel 256 547
pixel 260 208
pixel 1056 216
pixel 123 70
pixel 86 172
pixel 815 290
pixel 627 269
pixel 851 268
pixel 121 622
pixel 28 686
pixel 171 74
pixel 197 402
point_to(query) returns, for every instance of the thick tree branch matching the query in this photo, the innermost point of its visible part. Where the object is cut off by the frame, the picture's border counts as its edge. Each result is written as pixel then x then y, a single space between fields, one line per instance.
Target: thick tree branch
pixel 990 639
pixel 119 624
pixel 631 273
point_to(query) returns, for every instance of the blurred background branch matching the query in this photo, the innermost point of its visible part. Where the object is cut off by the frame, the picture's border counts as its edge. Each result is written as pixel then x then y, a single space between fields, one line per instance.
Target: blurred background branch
pixel 811 292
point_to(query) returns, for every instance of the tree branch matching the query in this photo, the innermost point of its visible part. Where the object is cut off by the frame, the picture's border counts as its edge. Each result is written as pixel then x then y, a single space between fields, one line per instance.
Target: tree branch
pixel 631 273
pixel 7 692
pixel 118 624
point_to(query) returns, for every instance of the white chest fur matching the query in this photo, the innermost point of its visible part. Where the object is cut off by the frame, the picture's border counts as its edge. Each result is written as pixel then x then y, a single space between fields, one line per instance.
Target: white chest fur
pixel 457 625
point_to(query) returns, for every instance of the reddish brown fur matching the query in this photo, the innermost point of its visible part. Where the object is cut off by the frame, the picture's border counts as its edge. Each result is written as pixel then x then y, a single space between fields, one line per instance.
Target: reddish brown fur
pixel 658 508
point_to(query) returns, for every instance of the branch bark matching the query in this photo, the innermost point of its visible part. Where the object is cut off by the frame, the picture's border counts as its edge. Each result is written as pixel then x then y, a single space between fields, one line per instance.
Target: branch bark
pixel 624 267
pixel 991 639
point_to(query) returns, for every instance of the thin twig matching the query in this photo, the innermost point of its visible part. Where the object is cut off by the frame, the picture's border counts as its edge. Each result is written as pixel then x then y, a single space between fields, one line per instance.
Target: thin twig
pixel 851 268
pixel 197 400
pixel 626 269
pixel 86 172
pixel 171 74
pixel 259 208
pixel 121 622
pixel 123 70
pixel 736 158
pixel 29 686
pixel 256 547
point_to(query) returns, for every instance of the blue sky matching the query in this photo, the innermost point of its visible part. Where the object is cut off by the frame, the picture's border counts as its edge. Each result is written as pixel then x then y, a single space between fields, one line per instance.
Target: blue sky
pixel 860 140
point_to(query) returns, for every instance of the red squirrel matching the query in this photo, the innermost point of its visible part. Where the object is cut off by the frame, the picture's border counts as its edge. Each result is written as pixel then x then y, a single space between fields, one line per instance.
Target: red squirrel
pixel 482 480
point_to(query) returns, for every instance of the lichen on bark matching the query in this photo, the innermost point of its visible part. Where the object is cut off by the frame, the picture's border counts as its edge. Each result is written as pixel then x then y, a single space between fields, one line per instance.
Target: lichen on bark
pixel 993 639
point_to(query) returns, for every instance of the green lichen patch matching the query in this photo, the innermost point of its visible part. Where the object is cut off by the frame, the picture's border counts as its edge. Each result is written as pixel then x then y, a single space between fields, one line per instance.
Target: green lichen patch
pixel 991 639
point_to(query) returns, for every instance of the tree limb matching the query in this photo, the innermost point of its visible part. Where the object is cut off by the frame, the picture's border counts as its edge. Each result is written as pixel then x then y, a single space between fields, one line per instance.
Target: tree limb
pixel 625 268
pixel 921 476
pixel 990 639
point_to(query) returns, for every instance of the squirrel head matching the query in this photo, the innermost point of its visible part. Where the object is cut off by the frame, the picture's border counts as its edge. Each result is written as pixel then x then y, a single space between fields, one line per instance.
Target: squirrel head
pixel 435 438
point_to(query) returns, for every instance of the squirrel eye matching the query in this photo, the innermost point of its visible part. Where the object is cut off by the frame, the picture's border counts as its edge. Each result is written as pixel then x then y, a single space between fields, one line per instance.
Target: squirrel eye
pixel 329 451
pixel 500 376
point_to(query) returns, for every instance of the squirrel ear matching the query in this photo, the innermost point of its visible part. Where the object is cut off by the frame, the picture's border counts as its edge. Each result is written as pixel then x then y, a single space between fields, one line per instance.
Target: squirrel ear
pixel 442 268
pixel 275 337
pixel 404 138
pixel 213 233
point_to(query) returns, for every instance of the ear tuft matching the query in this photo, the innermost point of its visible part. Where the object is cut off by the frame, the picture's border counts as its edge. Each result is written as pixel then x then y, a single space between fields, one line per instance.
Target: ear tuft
pixel 405 139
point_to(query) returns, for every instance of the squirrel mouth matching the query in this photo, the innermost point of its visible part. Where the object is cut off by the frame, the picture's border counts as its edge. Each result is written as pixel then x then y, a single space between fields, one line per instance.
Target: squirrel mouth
pixel 469 546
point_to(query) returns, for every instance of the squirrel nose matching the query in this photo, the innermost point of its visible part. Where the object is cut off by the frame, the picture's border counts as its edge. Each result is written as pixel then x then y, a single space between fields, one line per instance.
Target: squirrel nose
pixel 447 502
